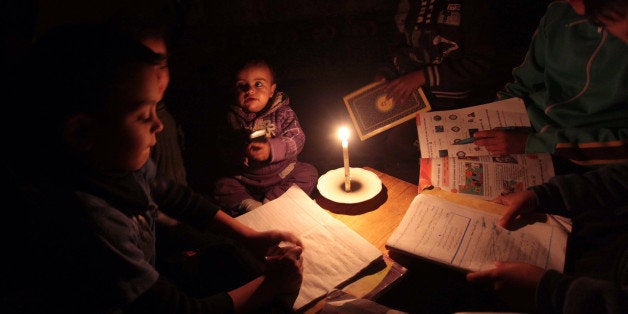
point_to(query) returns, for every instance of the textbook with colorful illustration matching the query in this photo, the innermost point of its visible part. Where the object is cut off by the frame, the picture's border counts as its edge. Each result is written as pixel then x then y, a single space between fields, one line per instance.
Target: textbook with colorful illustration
pixel 451 161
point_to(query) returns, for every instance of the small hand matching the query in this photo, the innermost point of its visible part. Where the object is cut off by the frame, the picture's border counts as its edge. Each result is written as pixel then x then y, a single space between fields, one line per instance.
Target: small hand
pixel 509 275
pixel 166 220
pixel 289 253
pixel 502 142
pixel 513 282
pixel 258 151
pixel 402 87
pixel 284 272
pixel 519 204
pixel 261 242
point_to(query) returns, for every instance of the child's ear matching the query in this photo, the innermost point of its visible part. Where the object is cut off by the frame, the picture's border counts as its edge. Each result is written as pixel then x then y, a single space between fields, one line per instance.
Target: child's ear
pixel 272 89
pixel 77 132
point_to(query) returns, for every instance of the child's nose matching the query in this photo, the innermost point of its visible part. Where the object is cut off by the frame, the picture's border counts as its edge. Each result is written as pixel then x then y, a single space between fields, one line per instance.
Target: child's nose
pixel 158 126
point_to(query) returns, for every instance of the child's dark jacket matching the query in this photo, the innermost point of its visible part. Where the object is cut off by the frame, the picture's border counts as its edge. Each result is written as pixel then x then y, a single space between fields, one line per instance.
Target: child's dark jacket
pixel 86 243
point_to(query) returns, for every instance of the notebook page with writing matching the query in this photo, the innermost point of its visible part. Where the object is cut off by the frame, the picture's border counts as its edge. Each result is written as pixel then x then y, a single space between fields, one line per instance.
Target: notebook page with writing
pixel 465 238
pixel 333 252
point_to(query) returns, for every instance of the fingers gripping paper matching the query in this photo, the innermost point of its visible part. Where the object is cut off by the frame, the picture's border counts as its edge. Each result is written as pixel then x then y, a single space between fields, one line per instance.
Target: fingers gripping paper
pixel 333 252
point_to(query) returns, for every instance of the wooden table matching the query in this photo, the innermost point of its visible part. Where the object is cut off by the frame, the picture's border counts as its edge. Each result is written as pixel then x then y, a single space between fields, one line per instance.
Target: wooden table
pixel 376 219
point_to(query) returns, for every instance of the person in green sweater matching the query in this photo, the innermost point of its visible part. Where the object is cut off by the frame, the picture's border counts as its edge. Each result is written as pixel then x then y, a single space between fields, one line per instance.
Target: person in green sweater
pixel 574 81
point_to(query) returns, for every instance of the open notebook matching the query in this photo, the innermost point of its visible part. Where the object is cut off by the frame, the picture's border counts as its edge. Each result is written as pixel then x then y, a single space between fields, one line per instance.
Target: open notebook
pixel 461 232
pixel 333 255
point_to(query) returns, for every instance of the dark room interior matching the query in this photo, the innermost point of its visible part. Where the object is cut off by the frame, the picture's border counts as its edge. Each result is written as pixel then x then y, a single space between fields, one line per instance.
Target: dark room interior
pixel 321 50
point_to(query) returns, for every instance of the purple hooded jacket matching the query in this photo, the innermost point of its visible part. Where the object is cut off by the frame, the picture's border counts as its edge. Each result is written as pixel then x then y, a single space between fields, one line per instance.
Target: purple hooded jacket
pixel 282 130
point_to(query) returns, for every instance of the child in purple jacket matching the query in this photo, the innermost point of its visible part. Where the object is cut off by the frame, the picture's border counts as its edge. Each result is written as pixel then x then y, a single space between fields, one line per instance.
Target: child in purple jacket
pixel 260 144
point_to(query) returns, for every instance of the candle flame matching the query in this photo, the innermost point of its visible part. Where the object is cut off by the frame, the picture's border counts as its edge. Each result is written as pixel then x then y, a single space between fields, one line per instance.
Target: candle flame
pixel 343 133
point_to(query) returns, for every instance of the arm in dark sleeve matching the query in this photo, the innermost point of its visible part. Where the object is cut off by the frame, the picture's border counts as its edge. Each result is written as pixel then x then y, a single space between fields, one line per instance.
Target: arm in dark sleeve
pixel 601 189
pixel 164 297
pixel 463 69
pixel 558 293
pixel 182 203
pixel 231 143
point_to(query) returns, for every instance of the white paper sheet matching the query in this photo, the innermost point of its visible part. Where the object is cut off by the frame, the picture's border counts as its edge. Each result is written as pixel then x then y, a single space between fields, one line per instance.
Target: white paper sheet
pixel 470 239
pixel 333 252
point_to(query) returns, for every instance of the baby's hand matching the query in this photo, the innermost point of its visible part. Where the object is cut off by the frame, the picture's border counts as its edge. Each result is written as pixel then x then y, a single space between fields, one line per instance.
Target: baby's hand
pixel 258 151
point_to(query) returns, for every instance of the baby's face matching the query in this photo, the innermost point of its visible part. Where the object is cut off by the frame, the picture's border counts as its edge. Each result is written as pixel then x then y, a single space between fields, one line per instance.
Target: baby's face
pixel 254 87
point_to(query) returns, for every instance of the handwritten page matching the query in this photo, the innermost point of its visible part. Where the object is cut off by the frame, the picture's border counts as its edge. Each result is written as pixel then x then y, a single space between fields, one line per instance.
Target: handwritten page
pixel 333 252
pixel 469 239
pixel 440 130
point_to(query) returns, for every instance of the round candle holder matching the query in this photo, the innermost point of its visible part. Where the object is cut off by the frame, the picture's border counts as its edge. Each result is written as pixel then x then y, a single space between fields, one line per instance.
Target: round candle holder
pixel 364 185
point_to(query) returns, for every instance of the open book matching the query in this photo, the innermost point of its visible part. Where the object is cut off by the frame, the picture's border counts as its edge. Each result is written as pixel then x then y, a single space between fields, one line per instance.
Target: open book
pixel 468 168
pixel 333 253
pixel 464 237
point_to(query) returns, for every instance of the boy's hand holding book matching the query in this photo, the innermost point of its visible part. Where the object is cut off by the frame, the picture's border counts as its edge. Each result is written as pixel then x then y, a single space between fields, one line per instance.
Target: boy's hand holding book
pixel 503 141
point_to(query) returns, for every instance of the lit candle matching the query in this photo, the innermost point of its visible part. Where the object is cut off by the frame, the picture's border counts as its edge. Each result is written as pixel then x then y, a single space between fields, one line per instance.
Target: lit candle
pixel 344 136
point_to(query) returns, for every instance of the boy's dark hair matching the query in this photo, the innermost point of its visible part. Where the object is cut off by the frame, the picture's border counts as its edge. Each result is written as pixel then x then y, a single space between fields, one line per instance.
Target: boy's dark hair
pixel 74 68
pixel 78 66
pixel 147 22
pixel 613 10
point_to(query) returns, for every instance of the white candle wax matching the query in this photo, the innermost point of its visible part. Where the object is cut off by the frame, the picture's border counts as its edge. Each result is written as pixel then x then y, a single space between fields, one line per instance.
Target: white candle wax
pixel 345 159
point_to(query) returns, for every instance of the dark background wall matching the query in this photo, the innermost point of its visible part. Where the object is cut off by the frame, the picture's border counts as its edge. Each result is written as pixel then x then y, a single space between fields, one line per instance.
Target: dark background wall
pixel 321 49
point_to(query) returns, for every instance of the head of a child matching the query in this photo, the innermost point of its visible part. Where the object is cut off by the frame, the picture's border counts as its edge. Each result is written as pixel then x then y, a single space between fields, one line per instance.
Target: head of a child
pixel 610 14
pixel 95 95
pixel 154 30
pixel 255 85
pixel 158 45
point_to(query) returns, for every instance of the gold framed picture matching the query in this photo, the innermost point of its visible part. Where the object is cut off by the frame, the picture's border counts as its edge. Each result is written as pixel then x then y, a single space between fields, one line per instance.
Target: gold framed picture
pixel 372 113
